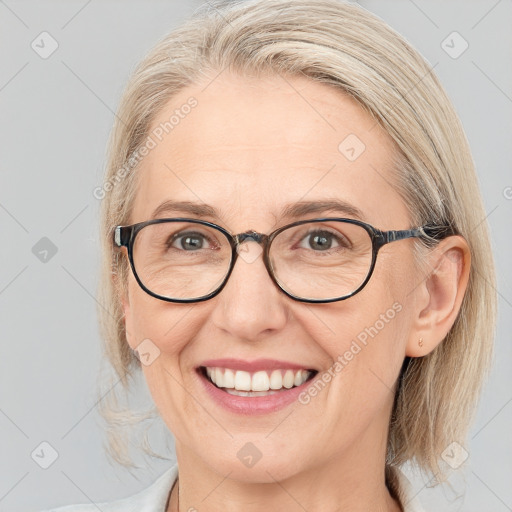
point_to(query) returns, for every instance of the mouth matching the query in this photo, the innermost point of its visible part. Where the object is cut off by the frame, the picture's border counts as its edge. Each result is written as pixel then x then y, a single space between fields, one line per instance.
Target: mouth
pixel 265 382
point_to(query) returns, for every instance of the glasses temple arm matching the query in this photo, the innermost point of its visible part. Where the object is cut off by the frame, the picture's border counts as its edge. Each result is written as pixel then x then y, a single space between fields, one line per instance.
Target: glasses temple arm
pixel 427 232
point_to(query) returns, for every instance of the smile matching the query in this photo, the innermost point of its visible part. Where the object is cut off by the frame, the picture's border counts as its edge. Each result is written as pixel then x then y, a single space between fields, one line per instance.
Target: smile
pixel 253 387
pixel 260 383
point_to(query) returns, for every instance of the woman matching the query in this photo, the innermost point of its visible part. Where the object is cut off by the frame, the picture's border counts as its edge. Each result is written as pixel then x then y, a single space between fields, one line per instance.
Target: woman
pixel 294 255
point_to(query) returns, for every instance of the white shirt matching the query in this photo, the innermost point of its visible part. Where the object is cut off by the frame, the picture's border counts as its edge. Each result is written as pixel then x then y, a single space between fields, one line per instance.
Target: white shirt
pixel 154 498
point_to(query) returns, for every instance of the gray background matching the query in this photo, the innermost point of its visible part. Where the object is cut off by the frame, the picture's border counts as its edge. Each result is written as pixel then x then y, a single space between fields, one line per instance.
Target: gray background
pixel 56 114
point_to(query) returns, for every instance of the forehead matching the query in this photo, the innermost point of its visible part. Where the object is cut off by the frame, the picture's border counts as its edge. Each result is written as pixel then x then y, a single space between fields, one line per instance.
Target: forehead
pixel 247 146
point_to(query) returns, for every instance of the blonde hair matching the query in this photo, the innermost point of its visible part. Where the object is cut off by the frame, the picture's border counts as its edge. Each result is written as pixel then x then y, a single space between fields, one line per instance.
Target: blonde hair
pixel 343 45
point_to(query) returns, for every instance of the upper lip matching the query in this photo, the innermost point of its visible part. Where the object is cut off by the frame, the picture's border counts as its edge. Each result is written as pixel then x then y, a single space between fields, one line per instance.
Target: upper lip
pixel 254 365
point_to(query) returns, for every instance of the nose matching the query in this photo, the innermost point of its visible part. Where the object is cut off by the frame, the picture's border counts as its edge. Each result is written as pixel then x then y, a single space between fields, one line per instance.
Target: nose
pixel 250 305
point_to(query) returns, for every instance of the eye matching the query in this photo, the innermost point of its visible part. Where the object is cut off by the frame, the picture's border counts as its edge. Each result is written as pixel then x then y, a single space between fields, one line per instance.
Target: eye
pixel 189 241
pixel 323 240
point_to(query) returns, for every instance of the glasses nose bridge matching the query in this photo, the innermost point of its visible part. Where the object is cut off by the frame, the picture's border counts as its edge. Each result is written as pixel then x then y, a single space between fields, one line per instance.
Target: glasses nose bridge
pixel 251 236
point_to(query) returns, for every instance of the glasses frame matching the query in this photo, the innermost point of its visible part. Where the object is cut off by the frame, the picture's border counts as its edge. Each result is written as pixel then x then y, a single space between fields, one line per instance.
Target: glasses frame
pixel 124 236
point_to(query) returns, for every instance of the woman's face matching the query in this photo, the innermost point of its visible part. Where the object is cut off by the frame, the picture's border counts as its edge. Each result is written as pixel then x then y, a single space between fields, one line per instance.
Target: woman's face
pixel 248 149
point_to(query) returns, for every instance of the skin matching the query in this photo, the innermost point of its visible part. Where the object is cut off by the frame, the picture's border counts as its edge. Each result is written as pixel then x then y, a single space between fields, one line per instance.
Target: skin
pixel 249 147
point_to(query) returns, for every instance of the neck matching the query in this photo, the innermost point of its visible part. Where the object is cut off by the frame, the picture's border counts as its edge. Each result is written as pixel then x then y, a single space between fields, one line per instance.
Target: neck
pixel 354 480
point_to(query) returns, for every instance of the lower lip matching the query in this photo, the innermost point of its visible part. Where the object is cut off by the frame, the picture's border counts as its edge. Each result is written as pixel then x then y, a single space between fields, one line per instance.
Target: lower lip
pixel 250 405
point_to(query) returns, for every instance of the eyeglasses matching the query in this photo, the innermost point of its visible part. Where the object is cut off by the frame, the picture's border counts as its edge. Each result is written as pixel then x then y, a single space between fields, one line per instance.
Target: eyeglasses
pixel 317 260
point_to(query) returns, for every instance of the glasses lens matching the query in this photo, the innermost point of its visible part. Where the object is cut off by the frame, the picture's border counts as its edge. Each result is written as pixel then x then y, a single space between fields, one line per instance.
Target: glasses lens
pixel 181 260
pixel 321 260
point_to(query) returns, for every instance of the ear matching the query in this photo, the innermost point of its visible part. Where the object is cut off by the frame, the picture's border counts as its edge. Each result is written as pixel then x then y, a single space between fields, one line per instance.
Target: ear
pixel 439 296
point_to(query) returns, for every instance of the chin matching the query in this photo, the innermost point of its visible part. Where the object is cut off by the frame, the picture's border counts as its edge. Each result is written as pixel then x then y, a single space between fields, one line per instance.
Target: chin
pixel 258 462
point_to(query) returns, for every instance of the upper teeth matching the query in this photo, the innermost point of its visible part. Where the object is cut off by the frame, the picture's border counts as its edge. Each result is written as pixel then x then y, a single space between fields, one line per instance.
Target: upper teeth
pixel 258 381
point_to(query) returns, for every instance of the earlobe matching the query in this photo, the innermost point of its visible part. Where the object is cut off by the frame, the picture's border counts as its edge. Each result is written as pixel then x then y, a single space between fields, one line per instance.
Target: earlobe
pixel 441 295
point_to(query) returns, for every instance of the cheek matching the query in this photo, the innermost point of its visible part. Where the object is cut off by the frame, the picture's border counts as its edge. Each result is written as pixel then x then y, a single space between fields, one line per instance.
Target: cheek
pixel 364 338
pixel 374 314
pixel 169 326
pixel 163 332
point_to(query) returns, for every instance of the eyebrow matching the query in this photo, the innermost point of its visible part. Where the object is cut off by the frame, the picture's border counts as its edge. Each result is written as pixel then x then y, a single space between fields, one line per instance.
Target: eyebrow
pixel 198 209
pixel 289 211
pixel 332 205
